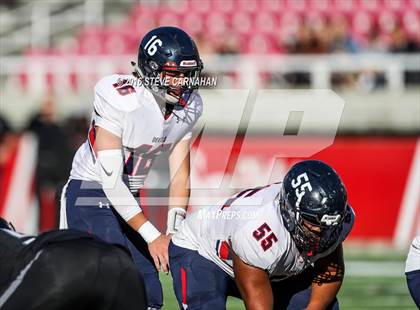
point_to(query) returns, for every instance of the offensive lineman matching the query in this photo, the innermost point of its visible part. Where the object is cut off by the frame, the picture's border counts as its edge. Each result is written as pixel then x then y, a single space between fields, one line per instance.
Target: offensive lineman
pixel 132 123
pixel 276 247
pixel 66 270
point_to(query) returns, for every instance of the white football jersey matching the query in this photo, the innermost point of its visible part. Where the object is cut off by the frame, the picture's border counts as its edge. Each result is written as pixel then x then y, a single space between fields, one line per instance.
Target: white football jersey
pixel 249 224
pixel 131 112
pixel 413 257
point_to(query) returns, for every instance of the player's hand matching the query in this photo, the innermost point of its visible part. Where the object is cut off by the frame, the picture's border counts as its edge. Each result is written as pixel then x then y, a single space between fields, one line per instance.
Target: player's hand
pixel 159 251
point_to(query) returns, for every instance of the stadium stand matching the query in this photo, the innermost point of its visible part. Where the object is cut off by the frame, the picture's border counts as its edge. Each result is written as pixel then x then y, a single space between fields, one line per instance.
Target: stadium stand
pixel 271 26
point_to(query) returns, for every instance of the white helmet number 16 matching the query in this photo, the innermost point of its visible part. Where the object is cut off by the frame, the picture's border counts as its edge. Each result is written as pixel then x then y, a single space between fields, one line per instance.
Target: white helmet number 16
pixel 151 46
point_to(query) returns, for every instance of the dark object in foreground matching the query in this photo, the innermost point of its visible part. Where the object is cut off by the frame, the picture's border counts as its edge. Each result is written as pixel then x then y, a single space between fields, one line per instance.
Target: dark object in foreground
pixel 65 269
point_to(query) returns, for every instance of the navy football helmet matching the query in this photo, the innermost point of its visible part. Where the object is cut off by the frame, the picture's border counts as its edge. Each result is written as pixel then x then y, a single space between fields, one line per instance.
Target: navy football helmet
pixel 313 204
pixel 165 53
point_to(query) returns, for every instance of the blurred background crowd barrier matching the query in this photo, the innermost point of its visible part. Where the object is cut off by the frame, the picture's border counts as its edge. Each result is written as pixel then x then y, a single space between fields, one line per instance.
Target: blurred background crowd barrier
pixel 367 51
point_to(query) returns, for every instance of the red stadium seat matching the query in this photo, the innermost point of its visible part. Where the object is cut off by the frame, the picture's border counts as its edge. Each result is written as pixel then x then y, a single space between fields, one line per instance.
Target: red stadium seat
pixel 362 22
pixel 394 5
pixel 143 22
pixel 414 4
pixel 266 22
pixel 179 7
pixel 387 21
pixel 145 8
pixel 249 6
pixel 290 20
pixel 117 40
pixel 202 6
pixel 168 18
pixel 289 26
pixel 297 5
pixel 411 23
pixel 258 43
pixel 223 6
pixel 242 22
pixel 91 41
pixel 315 19
pixel 274 6
pixel 252 26
pixel 345 5
pixel 369 5
pixel 216 23
pixel 193 23
pixel 320 5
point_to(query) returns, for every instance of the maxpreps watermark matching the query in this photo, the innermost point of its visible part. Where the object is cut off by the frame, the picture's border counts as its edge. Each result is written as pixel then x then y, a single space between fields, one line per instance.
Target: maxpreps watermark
pixel 204 214
pixel 194 82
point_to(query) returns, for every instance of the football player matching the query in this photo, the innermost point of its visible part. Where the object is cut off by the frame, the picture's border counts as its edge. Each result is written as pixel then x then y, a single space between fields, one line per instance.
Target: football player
pixel 412 270
pixel 136 118
pixel 276 247
pixel 66 270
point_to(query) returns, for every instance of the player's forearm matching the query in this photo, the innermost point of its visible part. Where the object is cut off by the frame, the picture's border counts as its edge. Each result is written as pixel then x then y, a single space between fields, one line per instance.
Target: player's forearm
pixel 322 295
pixel 109 163
pixel 329 274
pixel 179 192
pixel 110 166
pixel 179 166
pixel 137 221
pixel 259 301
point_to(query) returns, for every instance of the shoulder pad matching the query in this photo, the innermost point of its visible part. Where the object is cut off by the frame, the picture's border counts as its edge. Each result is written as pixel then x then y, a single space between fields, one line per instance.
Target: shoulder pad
pixel 117 91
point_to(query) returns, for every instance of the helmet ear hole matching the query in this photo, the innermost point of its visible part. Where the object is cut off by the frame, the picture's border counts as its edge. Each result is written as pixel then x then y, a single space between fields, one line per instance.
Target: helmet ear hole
pixel 153 65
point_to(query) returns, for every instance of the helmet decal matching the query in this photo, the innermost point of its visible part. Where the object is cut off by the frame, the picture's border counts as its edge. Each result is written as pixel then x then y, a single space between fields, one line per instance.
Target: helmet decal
pixel 188 63
pixel 300 191
pixel 151 45
pixel 330 220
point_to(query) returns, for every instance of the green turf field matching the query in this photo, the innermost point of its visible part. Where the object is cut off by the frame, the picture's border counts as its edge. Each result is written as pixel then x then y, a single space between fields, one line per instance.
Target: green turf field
pixel 358 292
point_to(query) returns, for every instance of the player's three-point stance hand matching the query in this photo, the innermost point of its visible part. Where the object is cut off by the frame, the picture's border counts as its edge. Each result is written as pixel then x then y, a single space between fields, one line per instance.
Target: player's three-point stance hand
pixel 159 251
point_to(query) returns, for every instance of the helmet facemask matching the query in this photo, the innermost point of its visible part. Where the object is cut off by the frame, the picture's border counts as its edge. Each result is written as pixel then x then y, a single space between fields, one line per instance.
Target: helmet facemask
pixel 174 84
pixel 180 82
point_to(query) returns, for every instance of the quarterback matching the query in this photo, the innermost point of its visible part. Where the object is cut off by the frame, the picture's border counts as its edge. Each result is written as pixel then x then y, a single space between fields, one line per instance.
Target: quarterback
pixel 132 123
pixel 280 249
